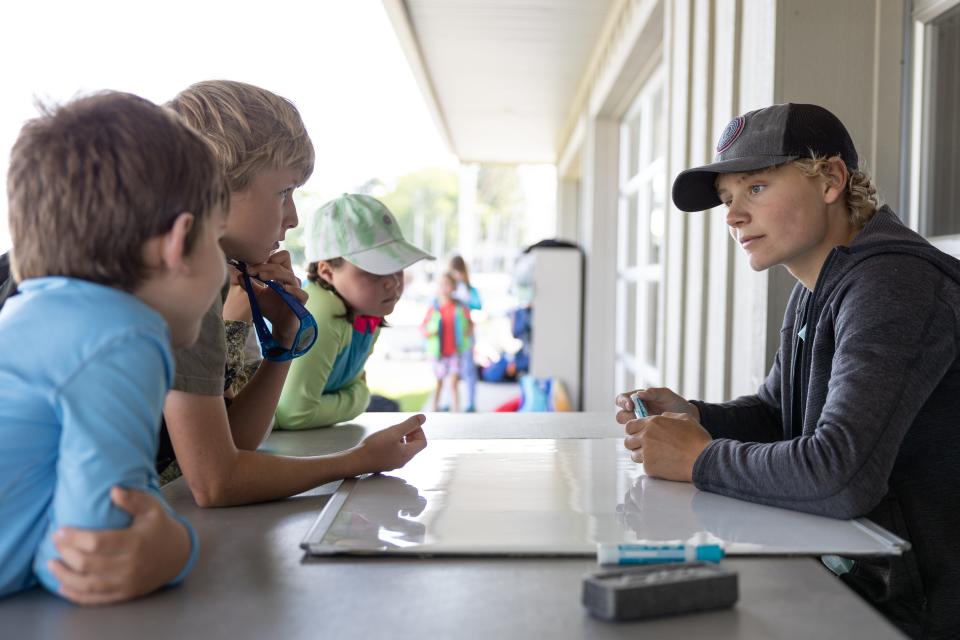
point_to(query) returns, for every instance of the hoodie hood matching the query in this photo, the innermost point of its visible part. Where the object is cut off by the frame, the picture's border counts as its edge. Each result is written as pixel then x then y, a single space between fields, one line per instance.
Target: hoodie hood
pixel 884 234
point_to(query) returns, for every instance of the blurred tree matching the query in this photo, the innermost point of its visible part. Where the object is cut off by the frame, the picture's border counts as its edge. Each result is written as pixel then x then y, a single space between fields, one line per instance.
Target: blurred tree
pixel 425 204
pixel 372 187
pixel 501 207
pixel 293 242
pixel 307 203
pixel 499 188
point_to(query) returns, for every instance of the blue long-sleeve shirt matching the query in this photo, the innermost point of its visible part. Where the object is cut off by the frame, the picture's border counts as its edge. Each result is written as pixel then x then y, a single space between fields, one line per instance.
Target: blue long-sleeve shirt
pixel 84 370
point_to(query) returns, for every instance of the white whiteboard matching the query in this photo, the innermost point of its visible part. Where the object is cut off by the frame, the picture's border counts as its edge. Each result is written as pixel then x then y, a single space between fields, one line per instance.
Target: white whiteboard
pixel 545 497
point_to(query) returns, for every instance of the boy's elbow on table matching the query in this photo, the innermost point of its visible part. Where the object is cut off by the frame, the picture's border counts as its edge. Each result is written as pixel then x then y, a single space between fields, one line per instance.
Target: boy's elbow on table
pixel 210 490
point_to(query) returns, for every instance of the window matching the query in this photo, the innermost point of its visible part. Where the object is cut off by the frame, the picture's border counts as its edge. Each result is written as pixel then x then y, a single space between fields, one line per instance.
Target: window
pixel 935 158
pixel 640 226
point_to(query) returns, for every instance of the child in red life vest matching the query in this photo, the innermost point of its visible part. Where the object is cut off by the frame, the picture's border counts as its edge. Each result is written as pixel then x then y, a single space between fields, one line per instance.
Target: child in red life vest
pixel 448 330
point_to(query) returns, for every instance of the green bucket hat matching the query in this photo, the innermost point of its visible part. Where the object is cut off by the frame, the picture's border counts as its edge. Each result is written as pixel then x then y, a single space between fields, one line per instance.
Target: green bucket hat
pixel 361 230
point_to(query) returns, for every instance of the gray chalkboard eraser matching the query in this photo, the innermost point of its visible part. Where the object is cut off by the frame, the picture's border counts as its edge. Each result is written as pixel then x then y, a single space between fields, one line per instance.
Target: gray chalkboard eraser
pixel 633 593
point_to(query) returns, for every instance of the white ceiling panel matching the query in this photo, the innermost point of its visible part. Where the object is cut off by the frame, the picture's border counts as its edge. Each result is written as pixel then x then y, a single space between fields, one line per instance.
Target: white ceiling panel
pixel 504 72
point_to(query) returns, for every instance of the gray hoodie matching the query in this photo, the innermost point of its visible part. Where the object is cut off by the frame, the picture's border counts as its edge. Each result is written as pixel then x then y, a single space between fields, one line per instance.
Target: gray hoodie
pixel 861 417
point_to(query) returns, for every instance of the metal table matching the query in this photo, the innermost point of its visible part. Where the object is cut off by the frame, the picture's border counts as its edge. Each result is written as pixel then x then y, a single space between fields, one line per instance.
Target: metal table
pixel 253 580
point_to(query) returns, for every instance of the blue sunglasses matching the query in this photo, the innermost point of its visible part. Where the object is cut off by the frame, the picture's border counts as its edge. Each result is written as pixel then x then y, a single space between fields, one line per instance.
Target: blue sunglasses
pixel 269 347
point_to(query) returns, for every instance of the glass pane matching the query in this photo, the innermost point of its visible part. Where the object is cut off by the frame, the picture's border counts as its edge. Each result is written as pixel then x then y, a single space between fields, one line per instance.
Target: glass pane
pixel 628 238
pixel 621 377
pixel 657 212
pixel 622 226
pixel 621 325
pixel 630 346
pixel 652 313
pixel 943 187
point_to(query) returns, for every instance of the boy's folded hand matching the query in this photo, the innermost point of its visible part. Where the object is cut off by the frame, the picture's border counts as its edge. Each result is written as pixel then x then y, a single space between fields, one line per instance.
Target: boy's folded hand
pixel 101 567
pixel 277 268
pixel 237 305
pixel 667 445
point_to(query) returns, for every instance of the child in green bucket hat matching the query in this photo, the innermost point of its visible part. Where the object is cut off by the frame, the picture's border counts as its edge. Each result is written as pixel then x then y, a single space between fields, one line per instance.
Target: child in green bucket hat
pixel 356 255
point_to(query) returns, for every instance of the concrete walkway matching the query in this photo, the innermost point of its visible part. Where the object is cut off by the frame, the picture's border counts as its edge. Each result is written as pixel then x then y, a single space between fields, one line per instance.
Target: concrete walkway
pixel 490 395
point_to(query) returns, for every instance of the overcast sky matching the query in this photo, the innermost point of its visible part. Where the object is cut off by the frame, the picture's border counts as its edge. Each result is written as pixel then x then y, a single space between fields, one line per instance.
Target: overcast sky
pixel 338 60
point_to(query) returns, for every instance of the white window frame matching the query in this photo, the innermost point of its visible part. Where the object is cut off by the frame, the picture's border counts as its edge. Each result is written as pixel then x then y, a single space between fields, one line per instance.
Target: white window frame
pixel 632 369
pixel 925 12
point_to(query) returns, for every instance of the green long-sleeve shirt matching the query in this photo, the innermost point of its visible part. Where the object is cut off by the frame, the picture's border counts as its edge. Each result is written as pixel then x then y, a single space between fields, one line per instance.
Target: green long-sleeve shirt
pixel 304 403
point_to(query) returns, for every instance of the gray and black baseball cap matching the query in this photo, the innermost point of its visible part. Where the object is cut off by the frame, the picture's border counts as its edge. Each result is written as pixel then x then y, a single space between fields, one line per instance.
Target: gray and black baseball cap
pixel 765 138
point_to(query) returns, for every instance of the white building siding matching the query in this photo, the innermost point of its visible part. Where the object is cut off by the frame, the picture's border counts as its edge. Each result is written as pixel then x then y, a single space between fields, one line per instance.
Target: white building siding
pixel 722 57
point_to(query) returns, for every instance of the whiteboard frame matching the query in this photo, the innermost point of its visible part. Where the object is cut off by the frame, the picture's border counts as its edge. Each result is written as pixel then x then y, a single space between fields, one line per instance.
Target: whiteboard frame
pixel 317 543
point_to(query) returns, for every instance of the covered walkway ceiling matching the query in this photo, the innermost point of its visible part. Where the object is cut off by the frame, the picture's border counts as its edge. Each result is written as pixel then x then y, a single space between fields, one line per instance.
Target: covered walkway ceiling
pixel 499 76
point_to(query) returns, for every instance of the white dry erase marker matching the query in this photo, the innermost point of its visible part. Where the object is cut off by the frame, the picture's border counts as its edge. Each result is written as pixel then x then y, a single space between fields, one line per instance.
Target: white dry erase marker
pixel 639 409
pixel 651 552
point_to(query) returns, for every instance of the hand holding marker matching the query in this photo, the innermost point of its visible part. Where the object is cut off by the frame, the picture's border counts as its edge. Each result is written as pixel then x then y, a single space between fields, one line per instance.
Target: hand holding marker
pixel 696 548
pixel 639 409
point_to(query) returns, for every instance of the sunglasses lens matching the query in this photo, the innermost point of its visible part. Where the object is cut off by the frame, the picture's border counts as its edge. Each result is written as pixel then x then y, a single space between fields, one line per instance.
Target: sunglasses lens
pixel 305 339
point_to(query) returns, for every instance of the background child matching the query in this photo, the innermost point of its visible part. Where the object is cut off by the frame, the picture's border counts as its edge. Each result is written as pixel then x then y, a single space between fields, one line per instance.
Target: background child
pixel 467 295
pixel 858 415
pixel 116 211
pixel 357 255
pixel 448 330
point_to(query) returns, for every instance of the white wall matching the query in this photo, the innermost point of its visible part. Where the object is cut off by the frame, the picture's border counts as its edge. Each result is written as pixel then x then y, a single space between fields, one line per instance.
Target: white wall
pixel 568 208
pixel 557 302
pixel 598 224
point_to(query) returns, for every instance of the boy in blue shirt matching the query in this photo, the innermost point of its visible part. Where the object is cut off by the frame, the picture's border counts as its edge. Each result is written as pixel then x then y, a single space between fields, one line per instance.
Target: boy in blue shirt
pixel 116 213
pixel 263 150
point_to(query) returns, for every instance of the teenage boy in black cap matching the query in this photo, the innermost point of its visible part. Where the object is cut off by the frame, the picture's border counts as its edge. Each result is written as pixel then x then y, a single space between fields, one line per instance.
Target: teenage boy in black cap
pixel 860 413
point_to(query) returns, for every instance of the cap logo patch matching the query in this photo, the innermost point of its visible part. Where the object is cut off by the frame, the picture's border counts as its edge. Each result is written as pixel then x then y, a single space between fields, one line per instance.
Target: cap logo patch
pixel 730 134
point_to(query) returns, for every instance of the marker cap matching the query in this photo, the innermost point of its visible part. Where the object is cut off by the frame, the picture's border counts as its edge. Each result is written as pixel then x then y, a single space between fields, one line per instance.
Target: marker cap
pixel 709 553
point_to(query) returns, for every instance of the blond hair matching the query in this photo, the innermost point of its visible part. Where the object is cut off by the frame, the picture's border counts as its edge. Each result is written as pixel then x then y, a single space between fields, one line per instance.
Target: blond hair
pixel 91 181
pixel 860 195
pixel 250 129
